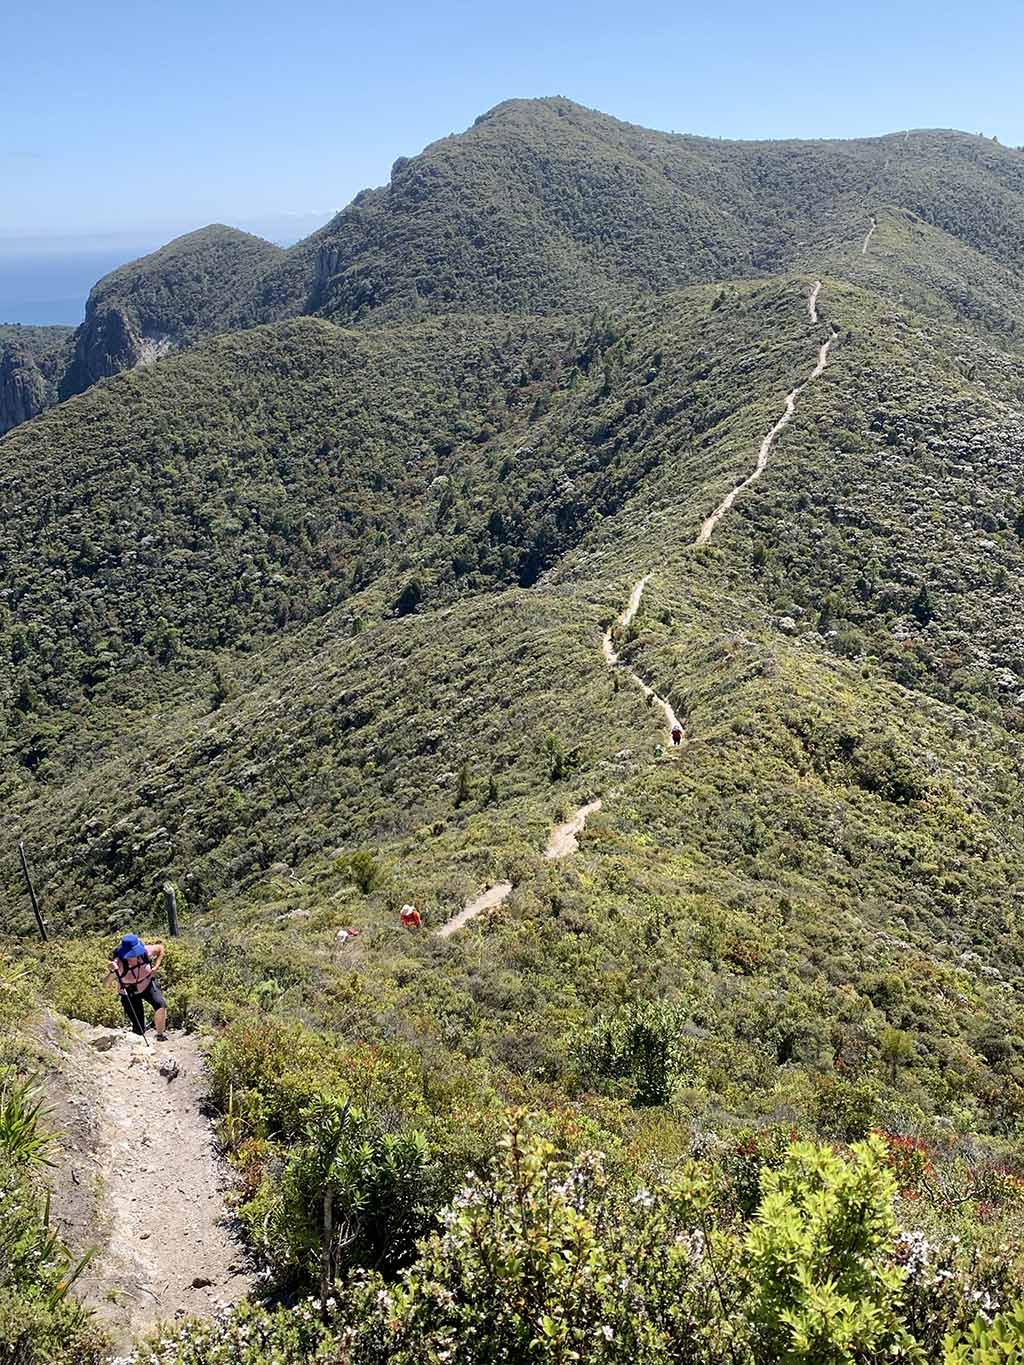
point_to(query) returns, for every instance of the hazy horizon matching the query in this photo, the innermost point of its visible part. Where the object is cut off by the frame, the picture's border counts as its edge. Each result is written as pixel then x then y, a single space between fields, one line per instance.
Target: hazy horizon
pixel 45 280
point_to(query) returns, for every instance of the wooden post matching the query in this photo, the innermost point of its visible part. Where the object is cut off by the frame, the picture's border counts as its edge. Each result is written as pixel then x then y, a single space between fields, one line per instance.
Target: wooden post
pixel 327 1251
pixel 171 906
pixel 32 894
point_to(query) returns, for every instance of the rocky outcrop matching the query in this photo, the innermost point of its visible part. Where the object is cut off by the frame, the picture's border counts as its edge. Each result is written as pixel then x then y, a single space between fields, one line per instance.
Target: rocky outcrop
pixel 23 389
pixel 106 343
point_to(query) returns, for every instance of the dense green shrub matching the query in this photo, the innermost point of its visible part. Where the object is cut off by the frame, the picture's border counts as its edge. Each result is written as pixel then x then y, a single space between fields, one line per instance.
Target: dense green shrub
pixel 39 1321
pixel 554 1260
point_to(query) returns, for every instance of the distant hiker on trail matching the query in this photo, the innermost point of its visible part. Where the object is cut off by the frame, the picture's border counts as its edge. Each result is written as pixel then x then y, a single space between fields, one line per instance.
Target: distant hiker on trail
pixel 409 917
pixel 133 969
pixel 677 734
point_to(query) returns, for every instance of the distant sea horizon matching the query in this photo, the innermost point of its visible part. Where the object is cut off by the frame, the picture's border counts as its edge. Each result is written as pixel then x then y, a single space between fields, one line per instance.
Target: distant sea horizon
pixel 50 288
pixel 45 281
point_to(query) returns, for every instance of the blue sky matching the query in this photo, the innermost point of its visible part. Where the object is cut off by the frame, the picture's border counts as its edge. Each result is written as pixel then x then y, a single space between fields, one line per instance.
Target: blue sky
pixel 144 119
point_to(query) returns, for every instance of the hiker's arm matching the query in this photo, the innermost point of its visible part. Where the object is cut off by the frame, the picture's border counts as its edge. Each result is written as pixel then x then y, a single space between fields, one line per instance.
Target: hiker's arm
pixel 156 952
pixel 111 975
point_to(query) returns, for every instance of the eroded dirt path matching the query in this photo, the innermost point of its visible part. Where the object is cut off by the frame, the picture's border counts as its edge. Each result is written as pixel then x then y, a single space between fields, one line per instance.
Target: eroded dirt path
pixel 487 900
pixel 812 302
pixel 563 840
pixel 765 451
pixel 141 1180
pixel 870 233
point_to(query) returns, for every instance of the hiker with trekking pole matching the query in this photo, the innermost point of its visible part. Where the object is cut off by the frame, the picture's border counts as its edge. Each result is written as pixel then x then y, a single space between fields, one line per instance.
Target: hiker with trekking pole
pixel 133 970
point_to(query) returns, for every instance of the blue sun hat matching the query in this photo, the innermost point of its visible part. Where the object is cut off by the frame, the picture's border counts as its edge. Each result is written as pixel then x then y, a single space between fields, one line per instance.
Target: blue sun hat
pixel 130 946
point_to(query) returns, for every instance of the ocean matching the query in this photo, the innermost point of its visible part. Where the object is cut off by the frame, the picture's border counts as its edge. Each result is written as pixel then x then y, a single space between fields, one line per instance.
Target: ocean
pixel 52 286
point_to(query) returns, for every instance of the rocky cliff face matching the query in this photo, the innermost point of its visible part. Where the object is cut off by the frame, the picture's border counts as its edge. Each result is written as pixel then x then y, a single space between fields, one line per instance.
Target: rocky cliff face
pixel 106 343
pixel 22 388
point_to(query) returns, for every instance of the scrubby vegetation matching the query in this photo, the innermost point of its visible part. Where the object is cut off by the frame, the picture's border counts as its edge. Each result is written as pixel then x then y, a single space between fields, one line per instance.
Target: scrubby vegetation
pixel 39 1320
pixel 307 620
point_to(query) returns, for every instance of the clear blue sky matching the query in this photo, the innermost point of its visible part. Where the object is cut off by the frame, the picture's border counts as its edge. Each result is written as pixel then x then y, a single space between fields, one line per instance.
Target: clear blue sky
pixel 148 118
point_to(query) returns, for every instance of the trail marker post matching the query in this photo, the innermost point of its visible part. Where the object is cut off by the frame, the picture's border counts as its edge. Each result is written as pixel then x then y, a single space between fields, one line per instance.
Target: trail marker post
pixel 32 893
pixel 171 906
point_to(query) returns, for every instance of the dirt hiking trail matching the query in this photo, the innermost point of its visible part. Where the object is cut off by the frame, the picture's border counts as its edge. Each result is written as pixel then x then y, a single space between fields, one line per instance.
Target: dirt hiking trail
pixel 141 1180
pixel 765 451
pixel 563 840
pixel 867 240
pixel 812 302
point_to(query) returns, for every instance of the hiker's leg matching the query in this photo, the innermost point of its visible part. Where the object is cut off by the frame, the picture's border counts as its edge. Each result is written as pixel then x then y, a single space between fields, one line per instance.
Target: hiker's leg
pixel 132 1006
pixel 155 996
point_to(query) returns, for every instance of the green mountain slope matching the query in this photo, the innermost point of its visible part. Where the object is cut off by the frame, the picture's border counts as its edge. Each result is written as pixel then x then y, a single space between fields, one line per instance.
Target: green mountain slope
pixel 544 206
pixel 155 304
pixel 851 754
pixel 315 620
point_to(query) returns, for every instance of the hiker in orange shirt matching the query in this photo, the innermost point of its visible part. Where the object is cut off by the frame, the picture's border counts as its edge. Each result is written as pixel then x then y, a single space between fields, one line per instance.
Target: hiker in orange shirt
pixel 409 917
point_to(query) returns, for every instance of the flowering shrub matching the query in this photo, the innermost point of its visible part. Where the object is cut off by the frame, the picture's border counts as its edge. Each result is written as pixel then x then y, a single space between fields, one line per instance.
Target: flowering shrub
pixel 548 1260
pixel 246 1335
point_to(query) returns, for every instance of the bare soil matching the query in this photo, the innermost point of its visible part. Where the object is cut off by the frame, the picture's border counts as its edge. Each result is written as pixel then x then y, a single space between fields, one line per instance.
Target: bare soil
pixel 141 1181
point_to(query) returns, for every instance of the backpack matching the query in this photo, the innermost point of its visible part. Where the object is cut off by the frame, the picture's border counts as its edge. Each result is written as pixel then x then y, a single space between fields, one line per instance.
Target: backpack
pixel 122 967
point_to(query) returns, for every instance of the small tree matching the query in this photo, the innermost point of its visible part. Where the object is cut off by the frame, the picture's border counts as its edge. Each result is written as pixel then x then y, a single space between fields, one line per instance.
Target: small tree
pixel 824 1287
pixel 410 597
pixel 221 690
pixel 464 789
pixel 896 1048
pixel 923 607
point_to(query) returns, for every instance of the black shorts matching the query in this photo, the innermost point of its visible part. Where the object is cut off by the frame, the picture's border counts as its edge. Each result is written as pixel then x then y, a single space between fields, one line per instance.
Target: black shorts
pixel 134 1009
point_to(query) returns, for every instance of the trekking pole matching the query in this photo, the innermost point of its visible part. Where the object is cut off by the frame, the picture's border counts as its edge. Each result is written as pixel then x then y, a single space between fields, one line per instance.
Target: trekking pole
pixel 137 1010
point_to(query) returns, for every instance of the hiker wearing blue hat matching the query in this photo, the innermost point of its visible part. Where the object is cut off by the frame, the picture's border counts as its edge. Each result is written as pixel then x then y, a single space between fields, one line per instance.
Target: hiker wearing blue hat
pixel 133 969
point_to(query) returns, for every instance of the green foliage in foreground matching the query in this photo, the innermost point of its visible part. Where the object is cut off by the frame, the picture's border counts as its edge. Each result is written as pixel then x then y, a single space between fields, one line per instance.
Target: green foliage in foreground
pixel 40 1323
pixel 553 1260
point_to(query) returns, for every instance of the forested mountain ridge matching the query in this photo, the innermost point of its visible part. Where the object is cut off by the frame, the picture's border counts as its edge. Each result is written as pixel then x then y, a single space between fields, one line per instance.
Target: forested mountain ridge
pixel 32 360
pixel 159 302
pixel 543 206
pixel 552 207
pixel 328 614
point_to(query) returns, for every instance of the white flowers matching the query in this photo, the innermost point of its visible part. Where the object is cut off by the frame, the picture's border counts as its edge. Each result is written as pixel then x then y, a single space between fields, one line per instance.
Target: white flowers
pixel 914 1251
pixel 987 1306
pixel 644 1198
pixel 607 1332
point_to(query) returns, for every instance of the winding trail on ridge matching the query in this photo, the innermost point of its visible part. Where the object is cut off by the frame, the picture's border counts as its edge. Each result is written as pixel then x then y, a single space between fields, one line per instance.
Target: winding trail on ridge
pixel 812 302
pixel 563 840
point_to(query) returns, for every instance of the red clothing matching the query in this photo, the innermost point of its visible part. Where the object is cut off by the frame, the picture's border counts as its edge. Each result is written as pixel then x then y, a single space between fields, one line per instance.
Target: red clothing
pixel 410 917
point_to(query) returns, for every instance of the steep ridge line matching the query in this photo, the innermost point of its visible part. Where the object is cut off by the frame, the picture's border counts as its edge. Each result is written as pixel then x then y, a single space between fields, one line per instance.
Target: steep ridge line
pixel 563 840
pixel 870 234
